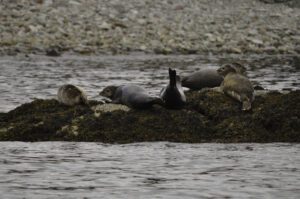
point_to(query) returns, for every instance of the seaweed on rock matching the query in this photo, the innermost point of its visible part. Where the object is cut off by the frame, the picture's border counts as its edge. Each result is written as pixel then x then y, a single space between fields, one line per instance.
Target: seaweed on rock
pixel 208 117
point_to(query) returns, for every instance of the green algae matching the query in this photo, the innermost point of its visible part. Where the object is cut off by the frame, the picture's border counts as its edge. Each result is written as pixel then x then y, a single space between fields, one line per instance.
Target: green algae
pixel 209 116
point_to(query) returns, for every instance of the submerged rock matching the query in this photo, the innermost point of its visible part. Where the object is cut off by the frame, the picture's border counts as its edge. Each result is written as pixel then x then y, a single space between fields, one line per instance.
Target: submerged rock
pixel 209 116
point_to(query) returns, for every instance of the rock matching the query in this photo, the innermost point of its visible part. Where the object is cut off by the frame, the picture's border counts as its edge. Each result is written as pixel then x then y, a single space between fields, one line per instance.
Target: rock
pixel 104 108
pixel 209 116
pixel 53 52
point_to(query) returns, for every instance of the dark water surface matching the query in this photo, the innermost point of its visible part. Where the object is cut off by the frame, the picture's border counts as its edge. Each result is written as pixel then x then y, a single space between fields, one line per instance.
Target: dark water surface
pixel 149 170
pixel 24 78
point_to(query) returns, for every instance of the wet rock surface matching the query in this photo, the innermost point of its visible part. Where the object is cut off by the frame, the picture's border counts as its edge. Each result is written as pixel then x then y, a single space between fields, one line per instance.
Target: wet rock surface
pixel 209 116
pixel 85 27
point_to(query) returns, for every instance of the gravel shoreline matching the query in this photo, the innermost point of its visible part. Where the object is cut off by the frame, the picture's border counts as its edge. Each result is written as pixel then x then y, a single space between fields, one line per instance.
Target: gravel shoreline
pixel 150 26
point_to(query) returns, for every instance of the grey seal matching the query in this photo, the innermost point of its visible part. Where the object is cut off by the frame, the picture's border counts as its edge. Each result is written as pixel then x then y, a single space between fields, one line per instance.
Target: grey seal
pixel 173 95
pixel 237 86
pixel 71 95
pixel 208 78
pixel 204 78
pixel 130 95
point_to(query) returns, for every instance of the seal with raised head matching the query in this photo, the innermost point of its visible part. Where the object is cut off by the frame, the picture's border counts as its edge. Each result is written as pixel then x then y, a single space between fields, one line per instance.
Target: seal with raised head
pixel 208 78
pixel 173 95
pixel 237 86
pixel 130 95
pixel 71 95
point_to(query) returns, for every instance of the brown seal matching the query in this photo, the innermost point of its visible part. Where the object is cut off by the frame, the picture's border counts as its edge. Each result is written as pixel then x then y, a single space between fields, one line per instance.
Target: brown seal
pixel 237 86
pixel 71 95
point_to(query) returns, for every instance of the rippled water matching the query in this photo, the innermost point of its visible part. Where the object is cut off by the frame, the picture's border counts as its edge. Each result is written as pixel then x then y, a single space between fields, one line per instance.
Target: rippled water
pixel 143 170
pixel 149 170
pixel 24 78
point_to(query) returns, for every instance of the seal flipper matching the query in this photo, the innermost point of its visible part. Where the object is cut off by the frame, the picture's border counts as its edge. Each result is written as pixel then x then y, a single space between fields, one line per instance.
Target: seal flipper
pixel 234 95
pixel 246 105
pixel 246 102
pixel 84 102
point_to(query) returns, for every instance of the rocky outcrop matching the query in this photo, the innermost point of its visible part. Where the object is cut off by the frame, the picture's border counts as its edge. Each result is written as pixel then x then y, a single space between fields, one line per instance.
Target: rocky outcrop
pixel 208 117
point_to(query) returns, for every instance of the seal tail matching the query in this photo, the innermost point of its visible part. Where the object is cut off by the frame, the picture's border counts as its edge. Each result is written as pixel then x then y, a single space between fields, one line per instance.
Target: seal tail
pixel 172 76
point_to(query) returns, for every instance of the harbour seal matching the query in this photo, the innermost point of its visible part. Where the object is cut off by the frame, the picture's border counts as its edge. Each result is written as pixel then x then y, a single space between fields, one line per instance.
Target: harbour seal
pixel 71 95
pixel 204 78
pixel 173 95
pixel 130 95
pixel 208 78
pixel 239 68
pixel 237 86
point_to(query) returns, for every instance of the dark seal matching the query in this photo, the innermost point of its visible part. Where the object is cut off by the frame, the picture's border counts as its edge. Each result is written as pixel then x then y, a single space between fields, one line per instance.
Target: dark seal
pixel 130 95
pixel 204 78
pixel 173 95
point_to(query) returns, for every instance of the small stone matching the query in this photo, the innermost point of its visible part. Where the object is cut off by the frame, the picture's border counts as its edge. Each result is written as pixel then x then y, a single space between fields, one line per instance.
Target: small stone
pixel 235 50
pixel 53 52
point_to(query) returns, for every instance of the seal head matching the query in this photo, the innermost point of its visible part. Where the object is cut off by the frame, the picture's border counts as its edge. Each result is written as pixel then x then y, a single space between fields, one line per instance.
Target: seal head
pixel 109 91
pixel 239 68
pixel 71 95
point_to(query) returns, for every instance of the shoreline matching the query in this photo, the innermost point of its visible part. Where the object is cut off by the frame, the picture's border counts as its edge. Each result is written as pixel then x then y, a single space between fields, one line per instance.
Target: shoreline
pixel 93 27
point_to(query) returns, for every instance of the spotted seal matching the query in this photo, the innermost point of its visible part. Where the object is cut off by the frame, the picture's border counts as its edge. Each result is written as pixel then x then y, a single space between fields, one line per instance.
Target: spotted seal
pixel 130 95
pixel 208 78
pixel 173 95
pixel 237 86
pixel 71 95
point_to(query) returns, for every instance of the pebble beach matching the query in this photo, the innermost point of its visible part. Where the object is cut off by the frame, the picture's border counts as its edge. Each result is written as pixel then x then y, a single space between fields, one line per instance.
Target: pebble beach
pixel 91 27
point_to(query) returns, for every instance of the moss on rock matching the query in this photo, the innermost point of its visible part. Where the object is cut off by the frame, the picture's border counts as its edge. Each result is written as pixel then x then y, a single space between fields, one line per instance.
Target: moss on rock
pixel 208 117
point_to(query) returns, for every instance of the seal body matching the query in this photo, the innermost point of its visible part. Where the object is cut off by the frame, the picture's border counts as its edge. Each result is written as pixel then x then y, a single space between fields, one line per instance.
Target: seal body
pixel 208 78
pixel 130 95
pixel 71 95
pixel 173 95
pixel 204 78
pixel 237 86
